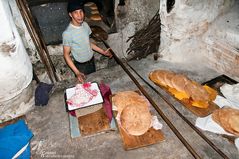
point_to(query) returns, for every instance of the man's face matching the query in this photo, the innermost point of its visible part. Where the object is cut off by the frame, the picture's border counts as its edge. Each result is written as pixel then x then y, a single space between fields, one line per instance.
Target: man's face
pixel 77 17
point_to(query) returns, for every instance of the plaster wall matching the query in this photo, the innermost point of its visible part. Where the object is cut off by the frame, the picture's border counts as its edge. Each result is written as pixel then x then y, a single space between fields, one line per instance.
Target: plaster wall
pixel 15 65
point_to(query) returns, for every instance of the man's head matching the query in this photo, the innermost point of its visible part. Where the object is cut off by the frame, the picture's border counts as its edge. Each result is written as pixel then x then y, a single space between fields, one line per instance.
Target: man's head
pixel 75 5
pixel 76 12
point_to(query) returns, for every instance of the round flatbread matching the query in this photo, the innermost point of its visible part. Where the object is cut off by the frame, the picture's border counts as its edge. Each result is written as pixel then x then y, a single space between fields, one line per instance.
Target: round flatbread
pixel 93 7
pixel 157 76
pixel 224 115
pixel 88 4
pixel 197 92
pixel 168 78
pixel 121 99
pixel 228 119
pixel 234 122
pixel 95 17
pixel 94 12
pixel 136 119
pixel 179 82
pixel 153 77
pixel 215 116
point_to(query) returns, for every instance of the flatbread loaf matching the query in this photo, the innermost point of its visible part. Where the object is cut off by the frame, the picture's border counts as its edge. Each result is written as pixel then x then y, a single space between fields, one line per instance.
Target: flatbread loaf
pixel 157 76
pixel 168 78
pixel 136 119
pixel 234 122
pixel 224 115
pixel 153 77
pixel 179 82
pixel 121 99
pixel 93 7
pixel 196 91
pixel 95 17
pixel 94 12
pixel 215 116
pixel 88 4
pixel 228 119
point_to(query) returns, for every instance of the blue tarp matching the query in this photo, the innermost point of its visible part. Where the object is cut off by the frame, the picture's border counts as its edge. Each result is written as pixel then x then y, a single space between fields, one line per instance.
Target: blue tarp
pixel 14 137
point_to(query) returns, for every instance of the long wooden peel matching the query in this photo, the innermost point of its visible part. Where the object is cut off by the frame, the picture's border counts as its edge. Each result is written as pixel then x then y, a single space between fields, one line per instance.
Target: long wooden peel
pixel 183 117
pixel 172 127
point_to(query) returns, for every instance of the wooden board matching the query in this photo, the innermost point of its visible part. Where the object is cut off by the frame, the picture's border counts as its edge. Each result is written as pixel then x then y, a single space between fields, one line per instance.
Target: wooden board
pixel 200 112
pixel 93 123
pixel 130 142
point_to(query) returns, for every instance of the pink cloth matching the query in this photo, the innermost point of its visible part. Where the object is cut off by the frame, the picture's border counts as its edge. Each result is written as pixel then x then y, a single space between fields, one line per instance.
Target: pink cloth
pixel 106 92
pixel 72 113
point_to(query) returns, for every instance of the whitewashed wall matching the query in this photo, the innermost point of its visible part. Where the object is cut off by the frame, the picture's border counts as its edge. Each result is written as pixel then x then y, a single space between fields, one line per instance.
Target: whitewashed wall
pixel 15 65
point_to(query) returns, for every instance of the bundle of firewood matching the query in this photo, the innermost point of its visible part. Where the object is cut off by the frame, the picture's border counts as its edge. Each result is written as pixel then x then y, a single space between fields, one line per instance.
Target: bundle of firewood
pixel 146 40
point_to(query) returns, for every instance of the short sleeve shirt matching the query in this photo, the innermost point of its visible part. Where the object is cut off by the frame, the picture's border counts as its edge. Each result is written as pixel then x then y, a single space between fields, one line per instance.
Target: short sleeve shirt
pixel 77 37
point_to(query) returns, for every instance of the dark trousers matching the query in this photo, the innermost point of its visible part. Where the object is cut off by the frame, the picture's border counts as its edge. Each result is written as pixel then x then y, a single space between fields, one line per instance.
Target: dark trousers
pixel 86 67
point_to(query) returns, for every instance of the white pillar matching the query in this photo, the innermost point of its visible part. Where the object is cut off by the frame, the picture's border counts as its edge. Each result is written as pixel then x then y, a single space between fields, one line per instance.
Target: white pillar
pixel 15 65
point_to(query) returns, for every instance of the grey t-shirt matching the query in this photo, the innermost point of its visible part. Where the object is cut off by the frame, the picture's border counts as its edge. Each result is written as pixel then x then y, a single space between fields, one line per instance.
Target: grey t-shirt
pixel 77 37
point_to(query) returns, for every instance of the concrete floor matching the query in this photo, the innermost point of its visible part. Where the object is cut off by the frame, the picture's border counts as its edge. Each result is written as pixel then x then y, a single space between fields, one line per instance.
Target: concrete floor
pixel 50 124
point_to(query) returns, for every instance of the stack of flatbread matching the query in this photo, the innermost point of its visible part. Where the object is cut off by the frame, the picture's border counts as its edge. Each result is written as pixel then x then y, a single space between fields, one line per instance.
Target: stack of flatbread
pixel 182 87
pixel 95 17
pixel 93 7
pixel 228 119
pixel 88 4
pixel 133 112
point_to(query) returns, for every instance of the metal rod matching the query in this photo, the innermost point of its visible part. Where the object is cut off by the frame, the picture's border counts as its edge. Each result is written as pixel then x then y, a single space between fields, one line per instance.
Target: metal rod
pixel 183 117
pixel 172 127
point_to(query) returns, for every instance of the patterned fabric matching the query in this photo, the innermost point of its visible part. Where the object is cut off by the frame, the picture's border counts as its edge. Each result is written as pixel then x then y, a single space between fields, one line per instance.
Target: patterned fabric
pixel 77 37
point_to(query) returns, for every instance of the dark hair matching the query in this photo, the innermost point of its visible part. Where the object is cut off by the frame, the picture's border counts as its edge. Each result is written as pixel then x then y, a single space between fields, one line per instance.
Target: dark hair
pixel 75 5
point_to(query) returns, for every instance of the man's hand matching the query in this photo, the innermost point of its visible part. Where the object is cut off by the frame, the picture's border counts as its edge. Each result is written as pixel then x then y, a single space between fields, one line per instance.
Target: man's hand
pixel 108 53
pixel 81 77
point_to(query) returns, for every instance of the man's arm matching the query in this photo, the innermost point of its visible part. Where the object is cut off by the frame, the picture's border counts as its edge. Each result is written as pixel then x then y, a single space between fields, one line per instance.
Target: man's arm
pixel 80 76
pixel 101 51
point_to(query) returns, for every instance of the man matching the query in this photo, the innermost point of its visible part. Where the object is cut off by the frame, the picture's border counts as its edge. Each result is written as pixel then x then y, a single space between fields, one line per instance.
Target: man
pixel 76 41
